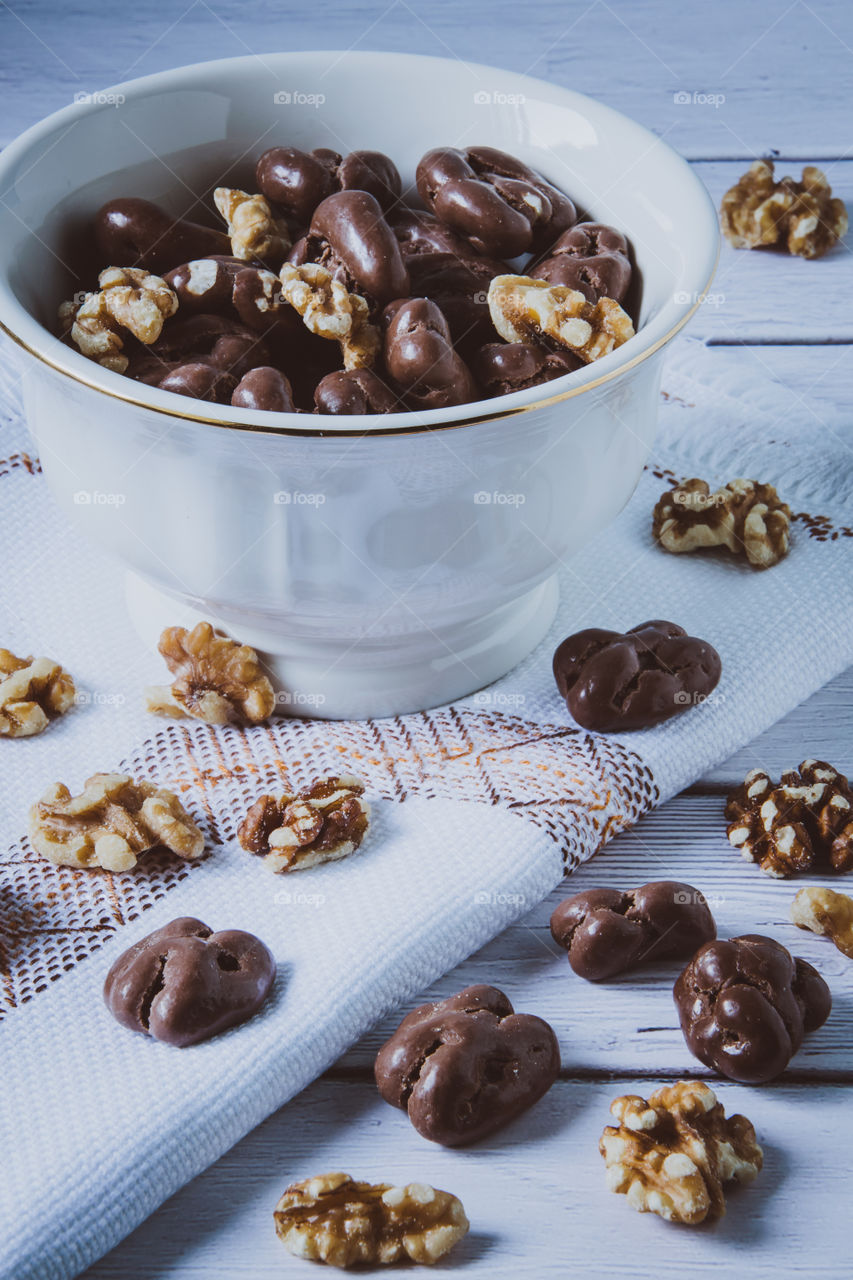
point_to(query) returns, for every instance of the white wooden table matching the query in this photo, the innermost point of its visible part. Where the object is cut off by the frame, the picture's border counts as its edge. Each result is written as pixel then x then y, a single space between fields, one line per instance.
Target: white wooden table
pixel 535 1193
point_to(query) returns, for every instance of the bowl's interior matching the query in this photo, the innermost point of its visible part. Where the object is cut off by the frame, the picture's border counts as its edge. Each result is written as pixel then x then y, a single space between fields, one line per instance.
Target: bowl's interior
pixel 172 137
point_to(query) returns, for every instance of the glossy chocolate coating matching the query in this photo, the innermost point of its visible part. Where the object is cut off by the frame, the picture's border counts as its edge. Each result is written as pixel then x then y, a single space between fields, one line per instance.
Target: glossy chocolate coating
pixel 201 380
pixel 592 258
pixel 605 932
pixel 350 237
pixel 371 171
pixel 744 1005
pixel 197 334
pixel 499 204
pixel 204 285
pixel 355 391
pixel 466 1066
pixel 184 983
pixel 419 233
pixel 229 287
pixel 420 358
pixel 132 232
pixel 258 302
pixel 503 367
pixel 460 287
pixel 297 181
pixel 613 682
pixel 238 353
pixel 264 388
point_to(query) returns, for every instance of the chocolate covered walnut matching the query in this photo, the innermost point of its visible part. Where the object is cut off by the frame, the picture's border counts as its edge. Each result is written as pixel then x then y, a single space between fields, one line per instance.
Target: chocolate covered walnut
pixel 672 1154
pixel 328 310
pixel 32 691
pixel 803 216
pixel 325 822
pixel 184 983
pixel 746 517
pixel 110 823
pixel 332 1219
pixel 528 310
pixel 786 827
pixel 216 680
pixel 745 1003
pixel 606 932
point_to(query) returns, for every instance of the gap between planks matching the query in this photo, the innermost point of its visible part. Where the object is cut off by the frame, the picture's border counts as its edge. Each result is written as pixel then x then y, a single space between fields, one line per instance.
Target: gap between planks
pixel 359 1076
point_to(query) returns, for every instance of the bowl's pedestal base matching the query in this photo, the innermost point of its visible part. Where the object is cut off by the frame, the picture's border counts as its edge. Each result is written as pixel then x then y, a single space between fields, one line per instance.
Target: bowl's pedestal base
pixel 343 679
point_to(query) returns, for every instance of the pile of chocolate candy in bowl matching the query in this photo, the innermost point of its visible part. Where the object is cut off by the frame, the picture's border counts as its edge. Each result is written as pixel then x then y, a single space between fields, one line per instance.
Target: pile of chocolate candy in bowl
pixel 324 292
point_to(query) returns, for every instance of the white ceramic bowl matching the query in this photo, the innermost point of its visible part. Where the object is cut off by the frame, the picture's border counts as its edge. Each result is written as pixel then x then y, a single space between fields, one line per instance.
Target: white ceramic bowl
pixel 382 564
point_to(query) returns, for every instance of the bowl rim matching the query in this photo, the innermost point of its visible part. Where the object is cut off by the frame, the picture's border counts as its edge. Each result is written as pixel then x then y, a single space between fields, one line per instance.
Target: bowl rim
pixel 38 341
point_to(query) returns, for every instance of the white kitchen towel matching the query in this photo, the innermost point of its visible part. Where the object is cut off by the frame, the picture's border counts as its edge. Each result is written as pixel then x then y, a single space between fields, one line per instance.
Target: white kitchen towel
pixel 479 810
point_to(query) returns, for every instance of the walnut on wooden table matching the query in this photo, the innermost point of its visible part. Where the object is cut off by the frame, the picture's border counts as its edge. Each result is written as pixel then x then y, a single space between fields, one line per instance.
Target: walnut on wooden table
pixel 787 827
pixel 333 1219
pixel 111 823
pixel 825 912
pixel 33 691
pixel 803 216
pixel 672 1154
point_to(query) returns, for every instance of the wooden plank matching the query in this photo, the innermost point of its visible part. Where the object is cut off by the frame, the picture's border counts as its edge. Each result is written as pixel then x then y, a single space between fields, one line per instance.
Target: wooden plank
pixel 820 728
pixel 535 1193
pixel 782 69
pixel 630 1024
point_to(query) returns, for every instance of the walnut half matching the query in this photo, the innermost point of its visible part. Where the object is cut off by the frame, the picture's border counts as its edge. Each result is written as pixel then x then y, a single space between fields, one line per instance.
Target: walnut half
pixel 325 822
pixel 216 680
pixel 328 310
pixel 254 232
pixel 804 216
pixel 128 298
pixel 746 517
pixel 32 691
pixel 534 311
pixel 110 823
pixel 330 1218
pixel 828 913
pixel 672 1154
pixel 786 827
